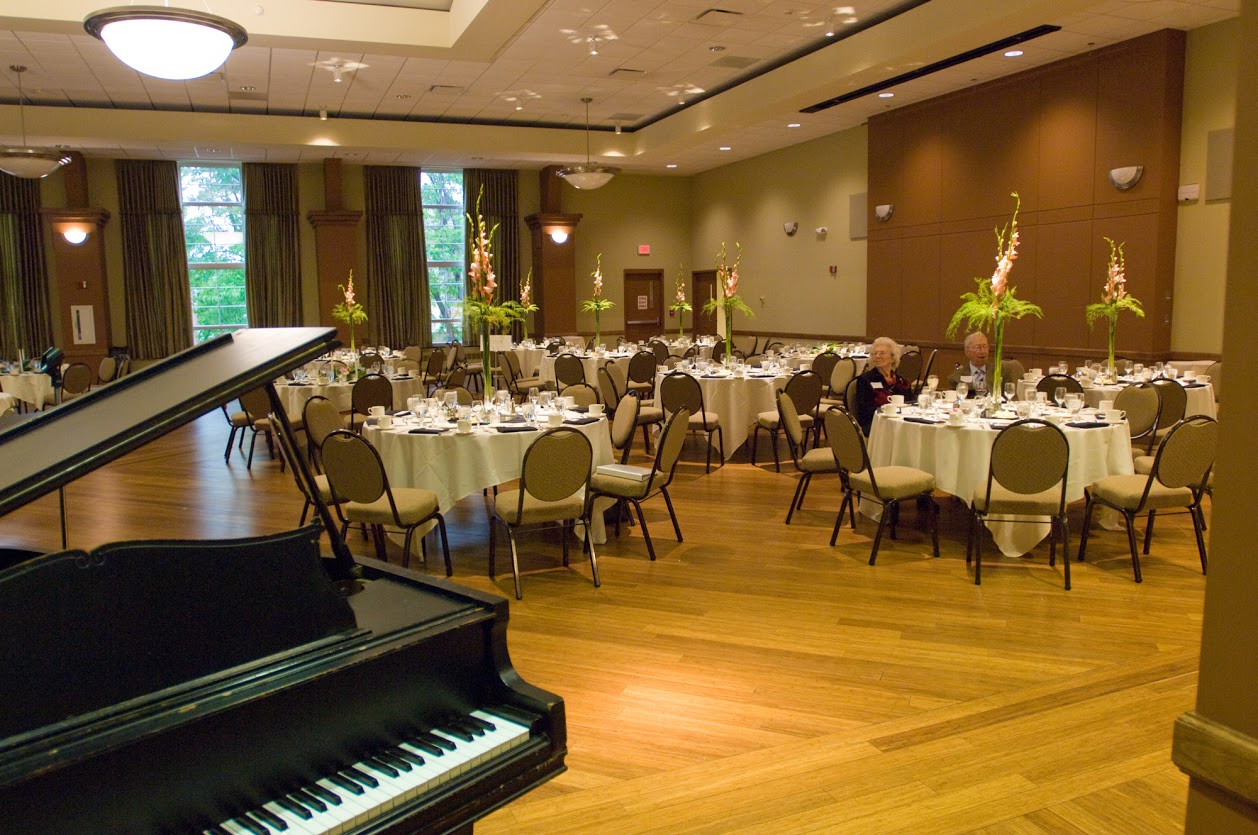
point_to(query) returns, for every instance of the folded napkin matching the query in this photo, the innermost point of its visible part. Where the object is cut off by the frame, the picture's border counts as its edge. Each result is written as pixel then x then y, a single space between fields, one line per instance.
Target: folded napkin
pixel 999 424
pixel 927 421
pixel 513 419
pixel 501 428
pixel 423 430
pixel 715 376
pixel 1087 424
pixel 301 384
pixel 579 409
pixel 403 413
pixel 1194 385
pixel 401 376
pixel 581 421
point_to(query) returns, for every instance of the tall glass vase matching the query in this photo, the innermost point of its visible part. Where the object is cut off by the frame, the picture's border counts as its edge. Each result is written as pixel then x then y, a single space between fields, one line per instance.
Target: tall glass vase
pixel 1113 328
pixel 993 378
pixel 598 329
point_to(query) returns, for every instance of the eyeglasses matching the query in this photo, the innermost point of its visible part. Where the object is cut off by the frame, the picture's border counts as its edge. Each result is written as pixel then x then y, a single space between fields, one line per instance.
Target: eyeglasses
pixel 880 353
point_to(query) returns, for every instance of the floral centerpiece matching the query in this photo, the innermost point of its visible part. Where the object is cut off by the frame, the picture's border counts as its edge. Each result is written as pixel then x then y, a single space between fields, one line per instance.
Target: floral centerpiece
pixel 596 304
pixel 484 312
pixel 1114 298
pixel 526 304
pixel 680 306
pixel 730 301
pixel 995 302
pixel 349 311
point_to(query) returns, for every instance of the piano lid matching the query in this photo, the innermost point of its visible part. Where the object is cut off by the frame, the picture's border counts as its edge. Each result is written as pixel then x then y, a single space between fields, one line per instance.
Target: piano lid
pixel 59 445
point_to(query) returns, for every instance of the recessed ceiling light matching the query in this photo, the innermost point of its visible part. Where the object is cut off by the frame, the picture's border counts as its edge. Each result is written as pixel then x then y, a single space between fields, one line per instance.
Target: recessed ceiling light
pixel 403 96
pixel 247 88
pixel 671 165
pixel 1013 53
pixel 726 148
pixel 793 125
pixel 886 95
pixel 716 48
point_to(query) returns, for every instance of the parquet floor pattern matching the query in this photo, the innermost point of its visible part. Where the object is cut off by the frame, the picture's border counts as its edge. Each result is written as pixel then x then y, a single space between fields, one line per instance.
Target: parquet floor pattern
pixel 754 679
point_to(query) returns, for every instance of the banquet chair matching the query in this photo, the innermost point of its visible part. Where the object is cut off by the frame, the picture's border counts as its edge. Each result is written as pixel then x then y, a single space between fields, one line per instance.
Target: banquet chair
pixel 457 378
pixel 926 369
pixel 413 352
pixel 804 389
pixel 823 366
pixel 635 491
pixel 435 369
pixel 807 461
pixel 256 405
pixel 641 378
pixel 660 349
pixel 718 351
pixel 406 366
pixel 624 423
pixel 107 371
pixel 843 373
pixel 1011 371
pixel 910 367
pixel 746 343
pixel 569 370
pixel 590 345
pixel 1178 478
pixel 849 397
pixel 370 361
pixel 516 382
pixel 887 486
pixel 372 390
pixel 323 491
pixel 361 492
pixel 611 381
pixel 679 390
pixel 1174 401
pixel 124 366
pixel 1143 406
pixel 238 421
pixel 461 393
pixel 771 345
pixel 1026 476
pixel 574 341
pixel 475 368
pixel 583 394
pixel 554 481
pixel 321 418
pixel 75 380
pixel 1050 382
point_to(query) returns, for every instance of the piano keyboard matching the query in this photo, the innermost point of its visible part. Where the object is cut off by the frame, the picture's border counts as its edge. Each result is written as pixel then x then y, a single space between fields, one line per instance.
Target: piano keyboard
pixel 371 787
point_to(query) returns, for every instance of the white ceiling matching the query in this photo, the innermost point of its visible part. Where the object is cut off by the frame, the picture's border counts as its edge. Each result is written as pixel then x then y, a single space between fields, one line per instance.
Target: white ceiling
pixel 499 82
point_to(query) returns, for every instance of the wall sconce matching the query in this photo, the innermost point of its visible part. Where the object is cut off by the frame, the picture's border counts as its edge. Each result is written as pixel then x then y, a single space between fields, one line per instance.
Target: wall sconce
pixel 1125 178
pixel 559 236
pixel 883 212
pixel 821 232
pixel 790 228
pixel 74 235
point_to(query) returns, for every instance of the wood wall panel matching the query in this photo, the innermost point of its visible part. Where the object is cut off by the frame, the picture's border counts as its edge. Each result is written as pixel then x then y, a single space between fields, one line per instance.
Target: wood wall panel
pixel 1052 134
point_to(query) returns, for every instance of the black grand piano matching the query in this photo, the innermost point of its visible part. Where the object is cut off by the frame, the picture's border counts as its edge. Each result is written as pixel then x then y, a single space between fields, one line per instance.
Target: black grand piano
pixel 249 685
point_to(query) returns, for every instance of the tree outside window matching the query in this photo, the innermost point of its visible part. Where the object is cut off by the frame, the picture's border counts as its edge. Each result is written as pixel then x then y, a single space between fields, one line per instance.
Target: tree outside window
pixel 444 231
pixel 212 195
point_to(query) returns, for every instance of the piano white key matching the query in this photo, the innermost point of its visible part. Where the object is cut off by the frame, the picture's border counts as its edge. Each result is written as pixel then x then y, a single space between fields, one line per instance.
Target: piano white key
pixel 296 825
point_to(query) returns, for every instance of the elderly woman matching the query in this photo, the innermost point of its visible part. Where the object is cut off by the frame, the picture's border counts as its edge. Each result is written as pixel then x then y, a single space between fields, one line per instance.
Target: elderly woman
pixel 875 387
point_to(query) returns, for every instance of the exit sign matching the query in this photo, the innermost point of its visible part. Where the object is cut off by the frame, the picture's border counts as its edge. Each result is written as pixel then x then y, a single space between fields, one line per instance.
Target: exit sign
pixel 644 249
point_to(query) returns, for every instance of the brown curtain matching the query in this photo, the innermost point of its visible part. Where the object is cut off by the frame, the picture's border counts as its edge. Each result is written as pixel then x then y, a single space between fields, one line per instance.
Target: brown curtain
pixel 154 259
pixel 272 256
pixel 500 205
pixel 397 264
pixel 27 319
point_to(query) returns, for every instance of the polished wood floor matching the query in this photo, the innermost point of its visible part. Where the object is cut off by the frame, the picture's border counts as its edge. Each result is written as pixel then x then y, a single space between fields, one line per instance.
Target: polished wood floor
pixel 754 679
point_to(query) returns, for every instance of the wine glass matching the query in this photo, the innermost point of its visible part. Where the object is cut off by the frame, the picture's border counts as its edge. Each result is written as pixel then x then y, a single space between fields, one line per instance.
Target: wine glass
pixel 1074 403
pixel 1011 389
pixel 932 382
pixel 963 390
pixel 1059 396
pixel 421 409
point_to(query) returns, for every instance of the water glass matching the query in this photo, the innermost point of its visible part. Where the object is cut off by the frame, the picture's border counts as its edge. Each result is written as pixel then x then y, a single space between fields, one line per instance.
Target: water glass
pixel 1059 395
pixel 963 390
pixel 1010 390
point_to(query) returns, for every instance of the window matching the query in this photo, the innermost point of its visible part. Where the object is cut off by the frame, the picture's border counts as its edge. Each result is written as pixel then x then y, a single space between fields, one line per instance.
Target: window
pixel 444 233
pixel 214 234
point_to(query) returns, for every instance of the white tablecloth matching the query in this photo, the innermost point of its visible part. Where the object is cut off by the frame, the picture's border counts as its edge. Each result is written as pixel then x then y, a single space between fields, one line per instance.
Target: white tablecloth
pixel 959 457
pixel 530 359
pixel 736 401
pixel 29 387
pixel 294 397
pixel 7 401
pixel 456 466
pixel 1200 397
pixel 591 364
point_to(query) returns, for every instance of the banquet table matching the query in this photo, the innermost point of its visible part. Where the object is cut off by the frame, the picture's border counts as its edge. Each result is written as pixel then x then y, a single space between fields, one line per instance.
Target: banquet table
pixel 590 362
pixel 7 401
pixel 295 395
pixel 456 466
pixel 1200 396
pixel 30 387
pixel 530 359
pixel 958 457
pixel 736 401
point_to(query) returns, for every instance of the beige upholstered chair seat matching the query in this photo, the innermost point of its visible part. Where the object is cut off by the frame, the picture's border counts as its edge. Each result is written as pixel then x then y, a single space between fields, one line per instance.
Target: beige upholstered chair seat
pixel 536 511
pixel 770 420
pixel 412 504
pixel 707 421
pixel 627 487
pixel 820 460
pixel 635 385
pixel 894 482
pixel 1144 463
pixel 1125 491
pixel 1004 500
pixel 650 414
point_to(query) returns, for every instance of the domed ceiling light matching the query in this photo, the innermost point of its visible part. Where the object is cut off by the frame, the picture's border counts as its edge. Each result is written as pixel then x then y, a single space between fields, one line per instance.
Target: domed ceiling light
pixel 25 162
pixel 165 42
pixel 591 175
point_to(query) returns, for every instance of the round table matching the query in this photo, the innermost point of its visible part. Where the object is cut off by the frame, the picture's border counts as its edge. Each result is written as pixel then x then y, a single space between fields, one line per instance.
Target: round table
pixel 30 387
pixel 295 395
pixel 958 457
pixel 1200 395
pixel 590 362
pixel 737 401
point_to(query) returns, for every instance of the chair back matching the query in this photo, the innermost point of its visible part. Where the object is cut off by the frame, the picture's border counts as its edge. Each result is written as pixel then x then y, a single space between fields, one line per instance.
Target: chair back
pixel 788 417
pixel 290 455
pixel 321 419
pixel 1011 370
pixel 1028 457
pixel 617 374
pixel 849 394
pixel 668 450
pixel 406 365
pixel 76 379
pixel 611 394
pixel 910 367
pixel 556 465
pixel 804 389
pixel 353 468
pixel 511 365
pixel 678 390
pixel 625 421
pixel 370 360
pixel 642 366
pixel 457 353
pixel 847 442
pixel 771 345
pixel 718 350
pixel 464 396
pixel 930 364
pixel 746 343
pixel 124 366
pixel 1141 403
pixel 108 369
pixel 457 378
pixel 1215 370
pixel 844 372
pixel 568 369
pixel 1050 382
pixel 436 362
pixel 823 366
pixel 1174 402
pixel 691 352
pixel 660 349
pixel 413 352
pixel 1186 455
pixel 372 390
pixel 256 404
pixel 582 393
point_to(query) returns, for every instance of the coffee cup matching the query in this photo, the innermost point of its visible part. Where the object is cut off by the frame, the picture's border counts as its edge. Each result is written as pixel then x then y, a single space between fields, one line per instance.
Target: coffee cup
pixel 897 400
pixel 1105 405
pixel 554 419
pixel 1036 373
pixel 596 409
pixel 889 409
pixel 1189 374
pixel 1029 376
pixel 464 426
pixel 950 396
pixel 956 418
pixel 384 421
pixel 1115 415
pixel 375 411
pixel 1202 378
pixel 569 402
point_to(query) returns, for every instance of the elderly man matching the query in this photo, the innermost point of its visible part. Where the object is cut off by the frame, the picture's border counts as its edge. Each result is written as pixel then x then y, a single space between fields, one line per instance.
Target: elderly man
pixel 975 366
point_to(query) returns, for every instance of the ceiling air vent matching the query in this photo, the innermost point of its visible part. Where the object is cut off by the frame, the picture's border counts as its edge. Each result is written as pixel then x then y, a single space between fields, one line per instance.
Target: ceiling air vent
pixel 627 73
pixel 735 62
pixel 718 17
pixel 445 89
pixel 624 118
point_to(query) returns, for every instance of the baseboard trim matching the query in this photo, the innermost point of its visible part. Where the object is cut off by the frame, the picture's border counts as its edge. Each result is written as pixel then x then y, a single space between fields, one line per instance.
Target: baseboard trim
pixel 1218 754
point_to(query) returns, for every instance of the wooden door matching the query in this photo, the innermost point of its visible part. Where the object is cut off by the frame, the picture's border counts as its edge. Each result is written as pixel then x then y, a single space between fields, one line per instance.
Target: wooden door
pixel 704 284
pixel 644 304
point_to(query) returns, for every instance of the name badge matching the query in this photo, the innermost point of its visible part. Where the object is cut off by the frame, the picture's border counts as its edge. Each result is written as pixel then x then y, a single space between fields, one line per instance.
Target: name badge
pixel 875 385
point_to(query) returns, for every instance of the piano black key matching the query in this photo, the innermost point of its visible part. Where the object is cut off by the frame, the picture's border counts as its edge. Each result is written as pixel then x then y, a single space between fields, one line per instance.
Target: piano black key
pixel 293 807
pixel 308 800
pixel 481 723
pixel 457 733
pixel 424 745
pixel 252 825
pixel 273 821
pixel 323 794
pixel 468 727
pixel 413 759
pixel 361 777
pixel 216 830
pixel 345 783
pixel 377 765
pixel 390 759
